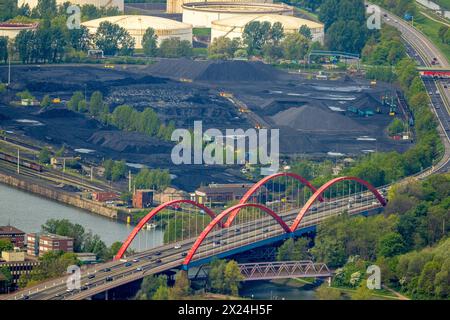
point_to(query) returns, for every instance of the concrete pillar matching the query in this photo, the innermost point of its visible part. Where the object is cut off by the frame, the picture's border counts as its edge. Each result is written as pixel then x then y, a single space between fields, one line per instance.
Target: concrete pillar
pixel 329 281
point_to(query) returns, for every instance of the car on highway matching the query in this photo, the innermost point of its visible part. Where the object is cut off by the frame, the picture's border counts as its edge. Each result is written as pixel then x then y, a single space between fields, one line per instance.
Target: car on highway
pixel 108 279
pixel 266 230
pixel 237 230
pixel 157 253
pixel 106 270
pixel 216 243
pixel 139 269
pixel 184 254
pixel 91 276
pixel 25 297
pixel 84 288
pixel 135 260
pixel 128 264
pixel 158 261
pixel 177 246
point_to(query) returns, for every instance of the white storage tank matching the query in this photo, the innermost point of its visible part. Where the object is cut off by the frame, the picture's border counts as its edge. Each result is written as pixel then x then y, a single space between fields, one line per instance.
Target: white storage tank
pixel 137 25
pixel 202 14
pixel 234 27
pixel 98 3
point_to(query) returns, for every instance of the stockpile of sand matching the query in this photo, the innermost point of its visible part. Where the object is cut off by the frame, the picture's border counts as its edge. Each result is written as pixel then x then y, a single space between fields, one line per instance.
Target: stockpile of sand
pixel 215 70
pixel 316 119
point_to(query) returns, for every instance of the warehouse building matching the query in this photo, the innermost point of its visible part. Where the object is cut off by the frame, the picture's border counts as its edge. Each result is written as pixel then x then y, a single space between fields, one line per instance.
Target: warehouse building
pixel 136 25
pixel 234 27
pixel 202 14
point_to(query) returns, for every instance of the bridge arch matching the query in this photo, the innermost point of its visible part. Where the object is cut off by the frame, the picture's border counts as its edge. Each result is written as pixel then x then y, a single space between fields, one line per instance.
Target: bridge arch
pixel 151 214
pixel 224 213
pixel 260 183
pixel 327 185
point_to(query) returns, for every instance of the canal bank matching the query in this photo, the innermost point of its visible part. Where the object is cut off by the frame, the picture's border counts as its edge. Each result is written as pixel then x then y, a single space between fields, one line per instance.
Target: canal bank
pixel 52 193
pixel 28 212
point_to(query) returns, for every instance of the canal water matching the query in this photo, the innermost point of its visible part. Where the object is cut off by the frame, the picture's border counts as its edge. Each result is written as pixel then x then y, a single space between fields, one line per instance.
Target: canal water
pixel 268 290
pixel 28 212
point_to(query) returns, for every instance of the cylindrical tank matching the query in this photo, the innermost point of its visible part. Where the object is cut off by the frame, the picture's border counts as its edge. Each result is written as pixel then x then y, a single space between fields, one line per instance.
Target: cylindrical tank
pixel 136 26
pixel 233 27
pixel 202 14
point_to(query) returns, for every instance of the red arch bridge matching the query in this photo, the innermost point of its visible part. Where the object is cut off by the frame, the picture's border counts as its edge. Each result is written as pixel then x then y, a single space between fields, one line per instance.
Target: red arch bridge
pixel 276 208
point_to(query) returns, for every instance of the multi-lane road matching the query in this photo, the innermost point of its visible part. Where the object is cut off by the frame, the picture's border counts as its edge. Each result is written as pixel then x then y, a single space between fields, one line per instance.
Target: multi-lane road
pixel 103 277
pixel 420 48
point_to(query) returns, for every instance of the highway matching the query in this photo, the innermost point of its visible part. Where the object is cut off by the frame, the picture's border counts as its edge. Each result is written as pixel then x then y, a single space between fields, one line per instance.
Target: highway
pixel 99 278
pixel 420 48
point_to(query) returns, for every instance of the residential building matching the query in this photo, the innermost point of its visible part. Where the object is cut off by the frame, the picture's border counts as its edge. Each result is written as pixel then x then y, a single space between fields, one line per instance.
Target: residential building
pixel 38 244
pixel 16 236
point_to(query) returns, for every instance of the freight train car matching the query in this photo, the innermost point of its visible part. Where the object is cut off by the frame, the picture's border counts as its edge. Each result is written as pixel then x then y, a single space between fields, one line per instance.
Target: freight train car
pixel 24 163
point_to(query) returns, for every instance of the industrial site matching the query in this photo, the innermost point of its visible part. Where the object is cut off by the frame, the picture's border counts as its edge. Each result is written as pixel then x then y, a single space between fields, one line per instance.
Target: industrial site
pixel 224 150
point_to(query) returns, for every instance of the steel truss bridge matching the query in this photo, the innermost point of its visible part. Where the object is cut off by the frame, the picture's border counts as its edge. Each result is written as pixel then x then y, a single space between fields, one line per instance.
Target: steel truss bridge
pixel 283 270
pixel 278 207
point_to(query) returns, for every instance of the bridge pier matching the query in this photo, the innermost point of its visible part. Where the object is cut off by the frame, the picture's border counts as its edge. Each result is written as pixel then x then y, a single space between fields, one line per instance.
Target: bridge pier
pixel 329 281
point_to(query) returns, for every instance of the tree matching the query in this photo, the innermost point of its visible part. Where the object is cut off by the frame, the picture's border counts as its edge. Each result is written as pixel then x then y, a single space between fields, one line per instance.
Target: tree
pixel 149 42
pixel 427 278
pixel 391 244
pixel 362 293
pixel 276 33
pixel 223 47
pixel 232 277
pixel 181 288
pixel 324 292
pixel 3 49
pixel 44 155
pixel 113 39
pixel 96 103
pixel 115 247
pixel 46 101
pixel 396 127
pixel 293 250
pixel 295 46
pixel 306 32
pixel 255 35
pixel 80 38
pixel 150 285
pixel 92 243
pixel 5 245
pixel 162 293
pixel 45 9
pixel 175 48
pixel 74 102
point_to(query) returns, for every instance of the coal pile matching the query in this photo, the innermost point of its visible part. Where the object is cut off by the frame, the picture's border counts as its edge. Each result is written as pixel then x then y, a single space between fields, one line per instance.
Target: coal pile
pixel 316 119
pixel 129 142
pixel 215 70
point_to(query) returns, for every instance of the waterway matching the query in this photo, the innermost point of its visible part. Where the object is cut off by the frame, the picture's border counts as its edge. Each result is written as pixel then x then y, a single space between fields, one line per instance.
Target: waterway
pixel 28 212
pixel 268 290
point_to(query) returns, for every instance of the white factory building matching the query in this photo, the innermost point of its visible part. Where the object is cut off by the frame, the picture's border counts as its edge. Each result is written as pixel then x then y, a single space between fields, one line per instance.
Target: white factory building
pixel 98 3
pixel 136 26
pixel 234 27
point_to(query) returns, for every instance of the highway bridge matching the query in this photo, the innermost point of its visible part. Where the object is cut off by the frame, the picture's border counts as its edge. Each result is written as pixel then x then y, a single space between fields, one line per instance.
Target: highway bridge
pixel 276 208
pixel 295 208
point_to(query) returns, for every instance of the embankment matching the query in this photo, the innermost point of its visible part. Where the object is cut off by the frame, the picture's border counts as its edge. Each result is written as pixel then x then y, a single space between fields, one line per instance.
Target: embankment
pixel 48 192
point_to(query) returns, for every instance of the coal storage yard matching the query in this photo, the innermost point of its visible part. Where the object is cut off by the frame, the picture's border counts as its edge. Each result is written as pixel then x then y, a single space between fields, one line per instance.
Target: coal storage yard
pixel 312 115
